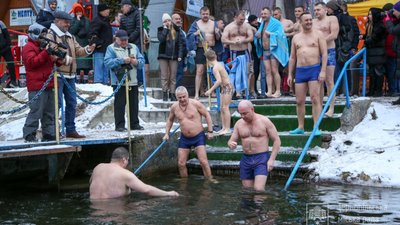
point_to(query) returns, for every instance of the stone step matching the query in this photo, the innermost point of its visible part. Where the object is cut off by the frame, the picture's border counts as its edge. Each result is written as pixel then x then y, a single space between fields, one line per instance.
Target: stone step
pixel 221 167
pixel 289 122
pixel 286 154
pixel 287 140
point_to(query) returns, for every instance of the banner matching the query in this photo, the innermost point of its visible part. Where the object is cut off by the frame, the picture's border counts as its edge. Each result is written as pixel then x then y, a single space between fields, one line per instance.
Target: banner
pixel 193 7
pixel 22 17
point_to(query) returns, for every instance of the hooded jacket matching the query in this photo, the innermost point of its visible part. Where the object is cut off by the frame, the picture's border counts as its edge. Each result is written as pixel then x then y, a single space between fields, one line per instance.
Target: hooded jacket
pixel 45 16
pixel 375 40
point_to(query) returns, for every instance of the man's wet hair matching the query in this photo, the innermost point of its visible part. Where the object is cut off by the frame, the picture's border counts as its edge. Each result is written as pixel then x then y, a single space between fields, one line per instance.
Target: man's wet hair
pixel 300 6
pixel 266 8
pixel 120 153
pixel 210 55
pixel 320 3
pixel 278 9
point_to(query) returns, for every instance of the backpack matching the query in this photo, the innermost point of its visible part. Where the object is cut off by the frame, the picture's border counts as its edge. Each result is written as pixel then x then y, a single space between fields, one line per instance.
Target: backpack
pixel 345 38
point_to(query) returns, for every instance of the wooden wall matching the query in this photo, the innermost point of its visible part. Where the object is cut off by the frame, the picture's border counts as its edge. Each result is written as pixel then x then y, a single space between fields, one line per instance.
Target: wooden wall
pixel 13 4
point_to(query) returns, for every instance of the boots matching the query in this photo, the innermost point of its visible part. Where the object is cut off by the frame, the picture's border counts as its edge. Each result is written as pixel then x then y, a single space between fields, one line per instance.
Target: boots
pixel 165 96
pixel 172 97
pixel 378 86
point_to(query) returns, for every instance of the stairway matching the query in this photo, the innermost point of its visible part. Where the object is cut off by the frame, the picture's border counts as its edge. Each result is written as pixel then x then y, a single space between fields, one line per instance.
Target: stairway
pixel 283 114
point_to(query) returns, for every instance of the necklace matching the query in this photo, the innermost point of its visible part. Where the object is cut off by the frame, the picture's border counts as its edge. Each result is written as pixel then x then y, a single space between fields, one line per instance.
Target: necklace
pixel 183 109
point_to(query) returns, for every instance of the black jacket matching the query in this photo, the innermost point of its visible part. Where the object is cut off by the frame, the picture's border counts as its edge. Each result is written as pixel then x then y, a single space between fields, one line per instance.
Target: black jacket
pixel 131 24
pixel 393 27
pixel 101 33
pixel 45 18
pixel 168 48
pixel 5 41
pixel 375 41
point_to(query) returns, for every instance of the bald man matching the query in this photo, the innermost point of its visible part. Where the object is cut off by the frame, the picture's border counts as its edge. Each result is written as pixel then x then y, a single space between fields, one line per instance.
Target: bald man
pixel 255 130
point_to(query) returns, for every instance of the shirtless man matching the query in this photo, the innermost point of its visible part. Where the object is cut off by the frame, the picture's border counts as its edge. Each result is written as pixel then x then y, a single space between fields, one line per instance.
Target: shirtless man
pixel 329 26
pixel 270 63
pixel 238 35
pixel 202 34
pixel 298 10
pixel 288 25
pixel 113 180
pixel 307 48
pixel 254 130
pixel 222 81
pixel 189 113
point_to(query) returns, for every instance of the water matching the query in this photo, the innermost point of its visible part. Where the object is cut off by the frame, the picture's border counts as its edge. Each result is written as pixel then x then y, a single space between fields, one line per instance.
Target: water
pixel 202 202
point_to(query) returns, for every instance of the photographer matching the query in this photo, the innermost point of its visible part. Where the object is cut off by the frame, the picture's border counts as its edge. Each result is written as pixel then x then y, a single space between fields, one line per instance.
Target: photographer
pixel 39 65
pixel 59 33
pixel 393 27
pixel 124 57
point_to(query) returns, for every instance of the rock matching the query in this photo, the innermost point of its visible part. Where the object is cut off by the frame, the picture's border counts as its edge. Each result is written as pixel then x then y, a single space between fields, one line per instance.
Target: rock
pixel 355 114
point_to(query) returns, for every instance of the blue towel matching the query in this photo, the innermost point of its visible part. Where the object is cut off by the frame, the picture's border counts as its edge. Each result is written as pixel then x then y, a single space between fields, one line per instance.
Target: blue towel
pixel 238 73
pixel 278 41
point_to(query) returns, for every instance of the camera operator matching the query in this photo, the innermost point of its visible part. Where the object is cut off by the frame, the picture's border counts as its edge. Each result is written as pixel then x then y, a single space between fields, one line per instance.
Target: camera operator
pixel 39 65
pixel 393 27
pixel 124 57
pixel 59 33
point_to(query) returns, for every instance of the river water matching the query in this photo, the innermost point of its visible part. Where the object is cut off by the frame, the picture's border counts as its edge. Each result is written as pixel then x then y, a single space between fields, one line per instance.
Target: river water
pixel 203 202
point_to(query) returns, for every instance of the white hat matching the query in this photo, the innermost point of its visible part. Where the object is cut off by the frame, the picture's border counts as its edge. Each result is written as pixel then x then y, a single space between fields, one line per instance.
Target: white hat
pixel 165 17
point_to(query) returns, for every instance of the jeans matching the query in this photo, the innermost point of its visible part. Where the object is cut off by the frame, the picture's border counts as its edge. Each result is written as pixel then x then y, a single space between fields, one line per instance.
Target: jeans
pixel 179 73
pixel 101 73
pixel 70 103
pixel 391 75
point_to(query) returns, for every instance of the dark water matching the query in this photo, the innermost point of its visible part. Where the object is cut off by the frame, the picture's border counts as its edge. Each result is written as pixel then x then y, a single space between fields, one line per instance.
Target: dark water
pixel 202 202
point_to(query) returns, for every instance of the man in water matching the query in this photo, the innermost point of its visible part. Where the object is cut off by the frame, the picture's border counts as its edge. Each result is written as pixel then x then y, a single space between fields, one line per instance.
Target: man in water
pixel 189 113
pixel 308 47
pixel 113 180
pixel 255 130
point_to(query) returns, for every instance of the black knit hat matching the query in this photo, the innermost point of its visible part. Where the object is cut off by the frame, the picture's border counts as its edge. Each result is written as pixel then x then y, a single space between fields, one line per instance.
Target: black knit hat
pixel 102 7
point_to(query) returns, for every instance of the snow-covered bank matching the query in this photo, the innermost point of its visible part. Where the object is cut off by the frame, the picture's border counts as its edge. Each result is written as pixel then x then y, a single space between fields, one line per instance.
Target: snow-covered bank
pixel 368 155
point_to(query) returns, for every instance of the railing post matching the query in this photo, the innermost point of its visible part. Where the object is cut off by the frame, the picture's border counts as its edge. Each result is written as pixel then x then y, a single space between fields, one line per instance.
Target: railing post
pixel 56 107
pixel 144 85
pixel 364 72
pixel 346 86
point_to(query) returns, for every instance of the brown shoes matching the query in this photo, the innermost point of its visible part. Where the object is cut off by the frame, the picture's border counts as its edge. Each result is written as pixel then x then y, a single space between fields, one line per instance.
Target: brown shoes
pixel 75 135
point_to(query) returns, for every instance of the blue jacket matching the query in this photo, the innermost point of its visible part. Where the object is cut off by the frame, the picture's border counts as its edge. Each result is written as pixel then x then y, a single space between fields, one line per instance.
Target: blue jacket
pixel 278 41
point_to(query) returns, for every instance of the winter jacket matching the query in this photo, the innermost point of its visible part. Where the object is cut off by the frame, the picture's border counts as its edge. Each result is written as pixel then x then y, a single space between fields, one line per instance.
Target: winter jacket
pixel 80 29
pixel 393 27
pixel 74 49
pixel 375 41
pixel 5 41
pixel 168 48
pixel 38 66
pixel 45 18
pixel 101 28
pixel 131 24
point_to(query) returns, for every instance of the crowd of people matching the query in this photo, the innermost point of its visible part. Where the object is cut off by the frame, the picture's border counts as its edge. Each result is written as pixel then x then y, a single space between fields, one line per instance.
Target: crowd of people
pixel 301 57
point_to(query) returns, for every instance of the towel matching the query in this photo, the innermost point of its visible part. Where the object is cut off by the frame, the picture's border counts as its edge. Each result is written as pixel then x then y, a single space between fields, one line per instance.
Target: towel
pixel 278 41
pixel 238 73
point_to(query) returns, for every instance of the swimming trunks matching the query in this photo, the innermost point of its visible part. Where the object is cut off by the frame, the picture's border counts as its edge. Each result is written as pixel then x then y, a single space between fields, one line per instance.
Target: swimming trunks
pixel 331 57
pixel 307 73
pixel 200 57
pixel 189 142
pixel 235 53
pixel 253 165
pixel 267 55
pixel 227 89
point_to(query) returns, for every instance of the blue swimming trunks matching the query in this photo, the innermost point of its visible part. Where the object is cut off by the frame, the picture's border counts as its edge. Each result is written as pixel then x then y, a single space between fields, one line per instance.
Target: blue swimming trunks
pixel 307 73
pixel 267 55
pixel 331 57
pixel 189 142
pixel 253 165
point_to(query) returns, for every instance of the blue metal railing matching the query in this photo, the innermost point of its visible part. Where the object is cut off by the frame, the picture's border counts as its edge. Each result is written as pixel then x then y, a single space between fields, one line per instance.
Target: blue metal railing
pixel 316 126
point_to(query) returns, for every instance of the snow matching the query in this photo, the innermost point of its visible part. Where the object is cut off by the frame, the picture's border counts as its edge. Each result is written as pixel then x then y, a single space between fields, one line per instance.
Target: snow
pixel 368 155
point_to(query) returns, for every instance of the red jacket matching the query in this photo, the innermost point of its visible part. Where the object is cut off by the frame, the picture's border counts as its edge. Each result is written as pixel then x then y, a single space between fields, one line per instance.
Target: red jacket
pixel 38 65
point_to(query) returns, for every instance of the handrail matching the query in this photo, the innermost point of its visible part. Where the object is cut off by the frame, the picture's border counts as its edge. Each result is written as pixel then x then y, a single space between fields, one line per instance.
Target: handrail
pixel 316 126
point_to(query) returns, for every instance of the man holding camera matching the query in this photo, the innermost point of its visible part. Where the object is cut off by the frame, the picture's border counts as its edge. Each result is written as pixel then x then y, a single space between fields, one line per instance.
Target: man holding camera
pixel 67 44
pixel 123 58
pixel 39 65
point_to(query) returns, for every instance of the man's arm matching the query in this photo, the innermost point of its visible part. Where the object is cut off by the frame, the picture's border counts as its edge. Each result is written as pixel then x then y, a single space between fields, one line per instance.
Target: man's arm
pixel 137 185
pixel 225 36
pixel 250 34
pixel 232 143
pixel 289 30
pixel 334 29
pixel 274 136
pixel 324 53
pixel 111 60
pixel 292 61
pixel 170 121
pixel 203 111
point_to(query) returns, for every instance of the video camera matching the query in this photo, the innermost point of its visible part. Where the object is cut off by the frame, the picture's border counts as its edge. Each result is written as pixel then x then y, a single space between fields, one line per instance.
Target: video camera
pixel 56 52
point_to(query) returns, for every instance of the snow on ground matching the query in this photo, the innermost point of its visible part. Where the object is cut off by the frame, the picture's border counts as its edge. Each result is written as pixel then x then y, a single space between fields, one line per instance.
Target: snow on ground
pixel 368 155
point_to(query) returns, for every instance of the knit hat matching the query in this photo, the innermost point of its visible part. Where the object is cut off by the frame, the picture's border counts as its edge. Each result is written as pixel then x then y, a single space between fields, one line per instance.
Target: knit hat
pixel 126 2
pixel 76 7
pixel 333 5
pixel 251 18
pixel 165 17
pixel 397 6
pixel 387 7
pixel 51 2
pixel 102 7
pixel 35 30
